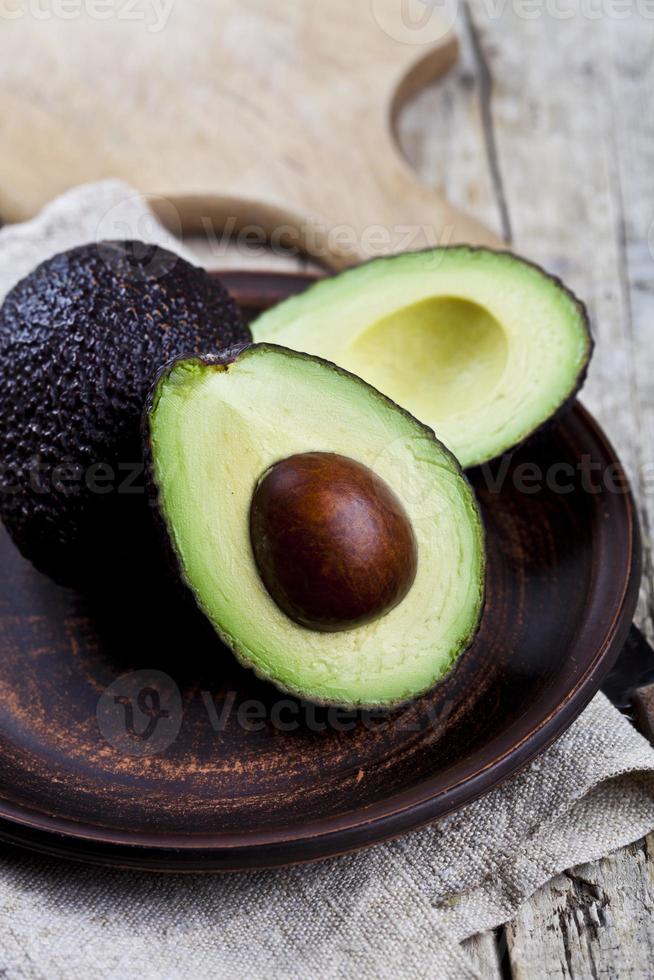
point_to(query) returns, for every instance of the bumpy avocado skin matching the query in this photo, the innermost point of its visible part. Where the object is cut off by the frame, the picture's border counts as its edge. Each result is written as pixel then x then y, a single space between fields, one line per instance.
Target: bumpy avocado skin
pixel 80 340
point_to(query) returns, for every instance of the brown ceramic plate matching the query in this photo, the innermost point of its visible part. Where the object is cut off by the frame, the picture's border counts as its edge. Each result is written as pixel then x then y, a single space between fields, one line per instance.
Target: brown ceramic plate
pixel 194 764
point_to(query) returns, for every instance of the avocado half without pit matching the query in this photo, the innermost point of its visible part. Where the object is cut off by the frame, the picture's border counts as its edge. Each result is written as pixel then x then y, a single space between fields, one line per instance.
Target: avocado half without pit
pixel 330 538
pixel 482 346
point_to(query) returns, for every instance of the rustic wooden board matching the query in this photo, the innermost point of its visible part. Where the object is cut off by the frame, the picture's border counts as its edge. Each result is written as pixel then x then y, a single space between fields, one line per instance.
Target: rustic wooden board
pixel 594 921
pixel 555 115
pixel 485 952
pixel 239 111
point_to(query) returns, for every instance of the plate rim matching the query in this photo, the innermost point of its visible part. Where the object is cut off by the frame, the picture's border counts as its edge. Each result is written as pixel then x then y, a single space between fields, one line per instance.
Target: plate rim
pixel 387 818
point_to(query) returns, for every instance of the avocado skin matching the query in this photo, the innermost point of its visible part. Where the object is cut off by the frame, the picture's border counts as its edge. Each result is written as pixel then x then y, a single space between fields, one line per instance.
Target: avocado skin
pixel 80 339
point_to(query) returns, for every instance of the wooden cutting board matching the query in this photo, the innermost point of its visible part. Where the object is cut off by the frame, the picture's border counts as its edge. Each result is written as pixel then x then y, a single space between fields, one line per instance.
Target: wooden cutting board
pixel 279 114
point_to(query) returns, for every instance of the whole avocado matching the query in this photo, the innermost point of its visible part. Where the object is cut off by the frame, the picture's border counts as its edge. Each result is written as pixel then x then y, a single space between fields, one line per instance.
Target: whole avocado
pixel 80 340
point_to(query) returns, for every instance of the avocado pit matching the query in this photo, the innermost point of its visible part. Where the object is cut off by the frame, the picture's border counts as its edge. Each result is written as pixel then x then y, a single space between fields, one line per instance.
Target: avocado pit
pixel 332 542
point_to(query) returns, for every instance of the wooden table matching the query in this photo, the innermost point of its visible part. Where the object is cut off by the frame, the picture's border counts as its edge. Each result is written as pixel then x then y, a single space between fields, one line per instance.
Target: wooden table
pixel 545 130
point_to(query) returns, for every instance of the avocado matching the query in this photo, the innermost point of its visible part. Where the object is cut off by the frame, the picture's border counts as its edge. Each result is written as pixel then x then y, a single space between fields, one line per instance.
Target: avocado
pixel 482 346
pixel 331 540
pixel 81 338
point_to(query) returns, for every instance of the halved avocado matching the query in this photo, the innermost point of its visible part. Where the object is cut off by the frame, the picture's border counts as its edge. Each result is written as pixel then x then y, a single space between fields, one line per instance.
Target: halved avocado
pixel 482 346
pixel 216 429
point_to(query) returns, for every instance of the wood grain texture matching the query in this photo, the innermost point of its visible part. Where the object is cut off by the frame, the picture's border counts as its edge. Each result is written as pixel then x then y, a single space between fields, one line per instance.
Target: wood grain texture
pixel 573 151
pixel 594 921
pixel 562 92
pixel 643 704
pixel 486 954
pixel 287 120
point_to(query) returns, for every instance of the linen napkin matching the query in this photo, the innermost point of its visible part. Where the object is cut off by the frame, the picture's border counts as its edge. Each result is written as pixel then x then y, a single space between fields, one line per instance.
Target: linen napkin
pixel 399 909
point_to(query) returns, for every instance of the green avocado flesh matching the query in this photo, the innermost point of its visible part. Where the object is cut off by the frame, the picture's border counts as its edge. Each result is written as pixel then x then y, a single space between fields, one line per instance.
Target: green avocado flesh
pixel 214 429
pixel 481 346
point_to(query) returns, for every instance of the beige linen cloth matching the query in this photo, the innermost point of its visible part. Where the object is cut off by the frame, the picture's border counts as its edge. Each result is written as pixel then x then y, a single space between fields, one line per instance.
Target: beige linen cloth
pixel 398 910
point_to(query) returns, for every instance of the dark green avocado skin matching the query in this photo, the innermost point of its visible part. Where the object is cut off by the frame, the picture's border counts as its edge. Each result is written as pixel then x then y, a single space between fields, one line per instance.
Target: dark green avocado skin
pixel 81 338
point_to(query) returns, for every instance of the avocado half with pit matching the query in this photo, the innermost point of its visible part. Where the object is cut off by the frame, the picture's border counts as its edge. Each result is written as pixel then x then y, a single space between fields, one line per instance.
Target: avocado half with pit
pixel 482 346
pixel 330 538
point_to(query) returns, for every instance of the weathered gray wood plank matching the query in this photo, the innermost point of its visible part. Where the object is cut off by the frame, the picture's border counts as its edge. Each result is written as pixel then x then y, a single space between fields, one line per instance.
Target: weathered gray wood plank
pixel 568 107
pixel 442 135
pixel 485 951
pixel 630 56
pixel 568 104
pixel 594 921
